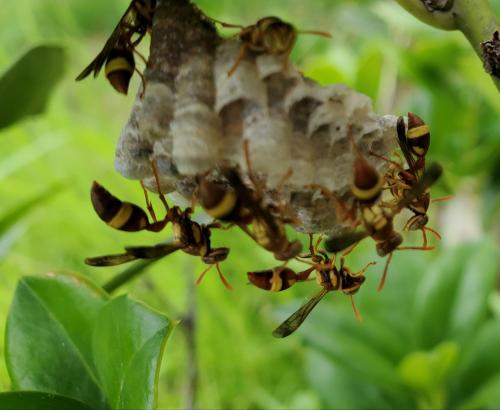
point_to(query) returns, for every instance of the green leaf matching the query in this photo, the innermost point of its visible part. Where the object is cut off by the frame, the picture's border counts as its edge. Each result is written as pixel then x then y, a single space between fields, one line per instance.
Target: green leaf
pixel 26 86
pixel 48 337
pixel 435 296
pixel 488 396
pixel 34 400
pixel 471 302
pixel 427 371
pixel 128 344
pixel 480 361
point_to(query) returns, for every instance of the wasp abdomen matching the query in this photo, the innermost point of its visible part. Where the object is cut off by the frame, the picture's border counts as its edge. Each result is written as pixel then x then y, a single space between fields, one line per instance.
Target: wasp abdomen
pixel 119 68
pixel 120 215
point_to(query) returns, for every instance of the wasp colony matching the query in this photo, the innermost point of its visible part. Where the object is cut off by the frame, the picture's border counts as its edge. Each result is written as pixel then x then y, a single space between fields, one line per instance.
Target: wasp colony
pixel 234 127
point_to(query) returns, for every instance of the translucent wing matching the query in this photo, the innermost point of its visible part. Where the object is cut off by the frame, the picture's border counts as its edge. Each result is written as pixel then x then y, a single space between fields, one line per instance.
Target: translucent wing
pixel 430 176
pixel 403 143
pixel 128 19
pixel 133 253
pixel 110 260
pixel 296 319
pixel 334 244
pixel 152 252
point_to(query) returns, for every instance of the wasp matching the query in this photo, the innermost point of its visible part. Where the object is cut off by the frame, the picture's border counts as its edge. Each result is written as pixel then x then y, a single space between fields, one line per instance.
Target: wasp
pixel 414 144
pixel 375 218
pixel 240 205
pixel 189 236
pixel 117 55
pixel 269 35
pixel 327 275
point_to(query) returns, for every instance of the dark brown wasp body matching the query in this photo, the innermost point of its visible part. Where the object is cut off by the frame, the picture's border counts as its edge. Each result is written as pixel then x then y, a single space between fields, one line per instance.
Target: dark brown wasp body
pixel 375 217
pixel 277 279
pixel 414 144
pixel 236 203
pixel 269 35
pixel 189 236
pixel 117 55
pixel 243 206
pixel 330 278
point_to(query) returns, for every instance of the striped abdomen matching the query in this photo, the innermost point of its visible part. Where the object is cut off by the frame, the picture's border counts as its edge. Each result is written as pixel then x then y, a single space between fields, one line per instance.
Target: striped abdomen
pixel 120 215
pixel 418 135
pixel 120 66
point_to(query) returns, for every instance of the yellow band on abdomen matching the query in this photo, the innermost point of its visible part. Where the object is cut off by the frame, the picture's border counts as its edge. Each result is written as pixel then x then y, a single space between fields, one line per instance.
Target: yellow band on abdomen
pixel 121 217
pixel 118 64
pixel 224 207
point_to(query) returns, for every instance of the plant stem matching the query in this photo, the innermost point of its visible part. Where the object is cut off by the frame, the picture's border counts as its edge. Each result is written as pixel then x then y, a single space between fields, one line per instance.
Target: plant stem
pixel 189 322
pixel 474 18
pixel 127 275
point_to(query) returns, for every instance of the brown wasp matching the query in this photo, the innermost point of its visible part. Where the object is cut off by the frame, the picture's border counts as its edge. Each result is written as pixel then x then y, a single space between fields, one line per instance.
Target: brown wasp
pixel 268 35
pixel 414 145
pixel 117 55
pixel 189 236
pixel 328 276
pixel 243 206
pixel 377 219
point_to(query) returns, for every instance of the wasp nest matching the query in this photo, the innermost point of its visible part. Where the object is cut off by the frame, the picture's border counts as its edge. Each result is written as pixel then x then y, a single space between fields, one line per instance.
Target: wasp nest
pixel 193 117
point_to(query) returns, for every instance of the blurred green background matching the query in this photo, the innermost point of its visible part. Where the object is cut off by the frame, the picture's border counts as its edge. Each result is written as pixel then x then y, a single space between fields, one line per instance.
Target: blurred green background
pixel 429 340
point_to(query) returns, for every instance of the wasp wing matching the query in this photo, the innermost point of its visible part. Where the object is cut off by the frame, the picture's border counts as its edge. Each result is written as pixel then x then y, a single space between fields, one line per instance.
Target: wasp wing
pixel 429 177
pixel 128 20
pixel 110 260
pixel 133 253
pixel 153 252
pixel 403 143
pixel 337 243
pixel 291 324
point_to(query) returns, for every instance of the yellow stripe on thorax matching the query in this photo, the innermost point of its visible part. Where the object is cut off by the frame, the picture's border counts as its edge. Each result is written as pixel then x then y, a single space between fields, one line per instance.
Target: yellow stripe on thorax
pixel 118 64
pixel 224 207
pixel 122 216
pixel 418 131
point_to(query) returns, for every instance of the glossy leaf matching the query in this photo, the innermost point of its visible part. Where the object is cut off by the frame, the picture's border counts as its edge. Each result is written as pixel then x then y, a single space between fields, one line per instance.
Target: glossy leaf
pixel 480 362
pixel 435 297
pixel 26 86
pixel 128 344
pixel 34 400
pixel 48 337
pixel 471 301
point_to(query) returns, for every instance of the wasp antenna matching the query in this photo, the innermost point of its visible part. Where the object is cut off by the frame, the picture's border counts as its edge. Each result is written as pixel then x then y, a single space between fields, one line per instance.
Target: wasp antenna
pixel 315 33
pixel 442 199
pixel 356 312
pixel 384 275
pixel 223 278
pixel 202 274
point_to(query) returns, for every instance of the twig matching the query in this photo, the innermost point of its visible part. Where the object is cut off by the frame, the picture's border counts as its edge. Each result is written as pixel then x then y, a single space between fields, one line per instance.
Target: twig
pixel 474 18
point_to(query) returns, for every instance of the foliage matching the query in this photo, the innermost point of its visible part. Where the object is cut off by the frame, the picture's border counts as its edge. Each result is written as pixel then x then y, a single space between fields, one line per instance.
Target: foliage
pixel 25 78
pixel 100 351
pixel 428 340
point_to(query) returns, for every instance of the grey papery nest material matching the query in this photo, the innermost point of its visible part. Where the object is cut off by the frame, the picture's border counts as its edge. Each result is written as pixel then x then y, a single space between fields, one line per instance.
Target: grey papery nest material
pixel 193 117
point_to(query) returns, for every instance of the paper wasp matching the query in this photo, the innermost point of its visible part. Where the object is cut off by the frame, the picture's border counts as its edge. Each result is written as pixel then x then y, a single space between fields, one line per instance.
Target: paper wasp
pixel 377 219
pixel 268 35
pixel 243 206
pixel 414 145
pixel 328 277
pixel 117 55
pixel 189 236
